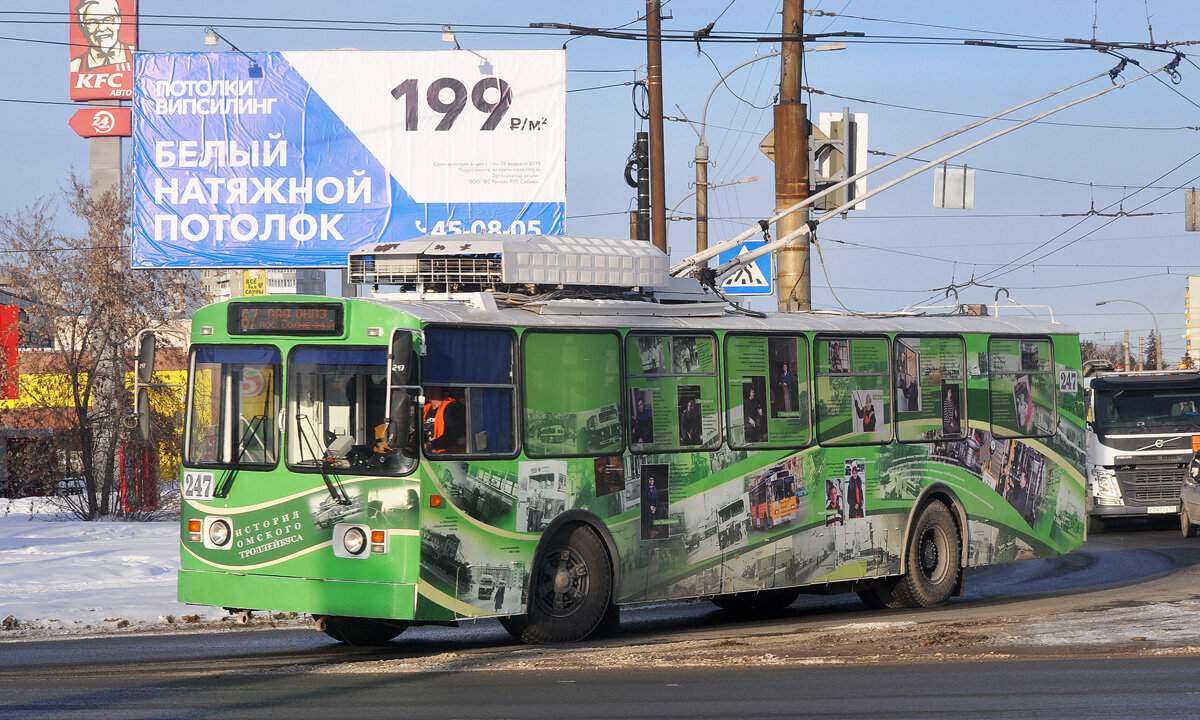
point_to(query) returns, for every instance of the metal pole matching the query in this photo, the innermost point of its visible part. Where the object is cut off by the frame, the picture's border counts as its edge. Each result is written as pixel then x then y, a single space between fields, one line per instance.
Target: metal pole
pixel 1157 333
pixel 701 196
pixel 658 184
pixel 793 278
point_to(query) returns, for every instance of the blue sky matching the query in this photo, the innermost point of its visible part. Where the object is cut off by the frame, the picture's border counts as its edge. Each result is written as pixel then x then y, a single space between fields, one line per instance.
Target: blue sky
pixel 911 71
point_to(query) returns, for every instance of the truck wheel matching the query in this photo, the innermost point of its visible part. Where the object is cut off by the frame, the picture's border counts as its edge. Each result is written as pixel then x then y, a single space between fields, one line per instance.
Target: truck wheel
pixel 1185 522
pixel 359 631
pixel 934 559
pixel 571 589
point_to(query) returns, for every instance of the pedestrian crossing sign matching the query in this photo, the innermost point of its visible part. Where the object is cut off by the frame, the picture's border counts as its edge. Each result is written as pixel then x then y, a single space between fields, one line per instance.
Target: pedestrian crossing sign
pixel 752 279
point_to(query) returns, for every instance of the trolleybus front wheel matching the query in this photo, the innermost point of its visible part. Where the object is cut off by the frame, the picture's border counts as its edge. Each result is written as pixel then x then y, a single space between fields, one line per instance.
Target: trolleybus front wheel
pixel 934 559
pixel 571 588
pixel 359 631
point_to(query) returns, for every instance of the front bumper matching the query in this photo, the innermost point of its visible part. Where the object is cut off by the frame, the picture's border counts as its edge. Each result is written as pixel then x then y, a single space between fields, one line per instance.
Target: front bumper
pixel 349 598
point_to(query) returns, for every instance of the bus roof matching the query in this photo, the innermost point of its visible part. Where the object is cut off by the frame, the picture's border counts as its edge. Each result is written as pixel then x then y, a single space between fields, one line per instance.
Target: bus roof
pixel 1161 380
pixel 639 315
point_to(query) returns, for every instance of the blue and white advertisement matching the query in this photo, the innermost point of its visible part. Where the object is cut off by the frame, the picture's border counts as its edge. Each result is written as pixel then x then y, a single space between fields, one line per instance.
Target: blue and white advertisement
pixel 293 159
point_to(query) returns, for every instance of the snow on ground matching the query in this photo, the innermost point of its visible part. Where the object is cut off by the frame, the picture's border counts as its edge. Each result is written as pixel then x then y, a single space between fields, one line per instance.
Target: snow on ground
pixel 64 575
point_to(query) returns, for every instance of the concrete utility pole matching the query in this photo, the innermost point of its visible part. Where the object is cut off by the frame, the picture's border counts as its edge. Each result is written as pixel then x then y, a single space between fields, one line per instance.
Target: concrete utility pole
pixel 793 280
pixel 658 183
pixel 1127 351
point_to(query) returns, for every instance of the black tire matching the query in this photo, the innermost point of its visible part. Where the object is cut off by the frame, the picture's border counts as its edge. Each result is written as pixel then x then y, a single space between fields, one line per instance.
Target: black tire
pixel 880 595
pixel 934 559
pixel 1095 526
pixel 1185 522
pixel 571 588
pixel 774 599
pixel 360 631
pixel 514 625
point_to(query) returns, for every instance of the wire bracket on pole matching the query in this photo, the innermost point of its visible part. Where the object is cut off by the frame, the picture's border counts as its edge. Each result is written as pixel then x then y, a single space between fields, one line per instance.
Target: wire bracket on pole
pixel 1173 70
pixel 1112 74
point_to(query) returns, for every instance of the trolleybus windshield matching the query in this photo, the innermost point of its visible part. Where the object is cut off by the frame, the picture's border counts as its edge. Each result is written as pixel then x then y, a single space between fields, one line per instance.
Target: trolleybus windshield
pixel 234 402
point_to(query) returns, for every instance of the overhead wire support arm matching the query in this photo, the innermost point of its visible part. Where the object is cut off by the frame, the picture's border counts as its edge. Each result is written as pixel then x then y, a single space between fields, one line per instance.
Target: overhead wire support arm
pixel 746 258
pixel 693 261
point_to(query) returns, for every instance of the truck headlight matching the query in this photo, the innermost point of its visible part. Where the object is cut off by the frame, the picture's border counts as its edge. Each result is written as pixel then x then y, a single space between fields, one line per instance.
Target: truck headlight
pixel 1105 490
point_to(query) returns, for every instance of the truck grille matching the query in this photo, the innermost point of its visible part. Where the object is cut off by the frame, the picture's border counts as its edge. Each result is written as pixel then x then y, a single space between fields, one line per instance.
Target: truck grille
pixel 1151 485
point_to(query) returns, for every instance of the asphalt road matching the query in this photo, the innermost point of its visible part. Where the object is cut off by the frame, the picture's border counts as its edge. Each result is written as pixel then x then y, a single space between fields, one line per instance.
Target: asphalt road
pixel 298 673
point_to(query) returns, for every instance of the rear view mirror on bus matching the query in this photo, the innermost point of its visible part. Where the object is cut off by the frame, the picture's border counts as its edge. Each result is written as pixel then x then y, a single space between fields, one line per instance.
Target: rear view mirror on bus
pixel 142 408
pixel 145 362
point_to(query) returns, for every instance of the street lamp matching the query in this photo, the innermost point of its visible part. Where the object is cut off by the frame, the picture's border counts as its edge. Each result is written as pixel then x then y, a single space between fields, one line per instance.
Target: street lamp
pixel 701 157
pixel 1158 338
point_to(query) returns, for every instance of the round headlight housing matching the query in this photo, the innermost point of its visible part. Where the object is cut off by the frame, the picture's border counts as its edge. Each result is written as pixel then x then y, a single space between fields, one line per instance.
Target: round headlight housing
pixel 354 540
pixel 219 532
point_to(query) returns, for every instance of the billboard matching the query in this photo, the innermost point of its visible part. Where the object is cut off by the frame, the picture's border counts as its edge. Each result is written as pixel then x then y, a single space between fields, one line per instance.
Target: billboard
pixel 293 159
pixel 103 36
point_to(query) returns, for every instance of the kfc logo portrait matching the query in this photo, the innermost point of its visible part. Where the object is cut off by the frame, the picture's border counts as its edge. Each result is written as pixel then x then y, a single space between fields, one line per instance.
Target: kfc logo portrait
pixel 103 38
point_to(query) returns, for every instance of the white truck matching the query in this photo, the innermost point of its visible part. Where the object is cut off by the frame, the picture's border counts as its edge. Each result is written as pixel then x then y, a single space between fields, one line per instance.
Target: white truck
pixel 1143 428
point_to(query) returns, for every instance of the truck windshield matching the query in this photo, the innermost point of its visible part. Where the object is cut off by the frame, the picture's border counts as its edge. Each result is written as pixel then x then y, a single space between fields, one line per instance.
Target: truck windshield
pixel 1133 408
pixel 233 399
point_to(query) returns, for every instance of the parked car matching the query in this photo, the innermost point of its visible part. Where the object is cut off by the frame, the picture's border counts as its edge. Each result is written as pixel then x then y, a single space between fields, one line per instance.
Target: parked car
pixel 1189 499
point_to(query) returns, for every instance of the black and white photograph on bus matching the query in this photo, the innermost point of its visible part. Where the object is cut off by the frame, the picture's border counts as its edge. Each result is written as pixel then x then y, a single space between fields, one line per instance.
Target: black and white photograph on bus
pixel 653 354
pixel 785 389
pixel 499 587
pixel 908 378
pixel 856 489
pixel 839 356
pixel 835 513
pixel 714 522
pixel 951 409
pixel 656 501
pixel 754 409
pixel 641 423
pixel 1023 401
pixel 867 415
pixel 691 427
pixel 1029 356
pixel 1023 482
pixel 685 357
pixel 610 474
pixel 541 493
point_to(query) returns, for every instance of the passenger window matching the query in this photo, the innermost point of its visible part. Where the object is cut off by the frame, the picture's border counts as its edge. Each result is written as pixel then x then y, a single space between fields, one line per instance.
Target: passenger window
pixel 928 387
pixel 470 392
pixel 1021 387
pixel 572 392
pixel 767 383
pixel 673 400
pixel 853 383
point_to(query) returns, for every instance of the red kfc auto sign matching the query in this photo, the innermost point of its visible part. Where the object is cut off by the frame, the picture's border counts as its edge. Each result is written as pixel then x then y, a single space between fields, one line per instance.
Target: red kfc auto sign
pixel 101 122
pixel 103 38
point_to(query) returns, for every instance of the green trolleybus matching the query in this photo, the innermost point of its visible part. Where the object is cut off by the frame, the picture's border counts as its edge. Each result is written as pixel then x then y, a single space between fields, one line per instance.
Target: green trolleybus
pixel 542 429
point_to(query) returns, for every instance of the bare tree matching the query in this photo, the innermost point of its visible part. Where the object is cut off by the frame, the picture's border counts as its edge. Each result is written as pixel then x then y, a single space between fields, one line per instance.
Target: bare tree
pixel 82 293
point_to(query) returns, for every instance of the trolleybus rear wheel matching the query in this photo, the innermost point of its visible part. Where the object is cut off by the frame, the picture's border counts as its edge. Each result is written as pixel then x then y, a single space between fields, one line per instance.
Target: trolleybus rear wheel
pixel 934 559
pixel 880 595
pixel 571 588
pixel 359 631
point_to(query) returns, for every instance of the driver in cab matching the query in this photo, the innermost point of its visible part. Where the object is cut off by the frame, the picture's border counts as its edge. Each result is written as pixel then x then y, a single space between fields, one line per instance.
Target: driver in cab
pixel 445 422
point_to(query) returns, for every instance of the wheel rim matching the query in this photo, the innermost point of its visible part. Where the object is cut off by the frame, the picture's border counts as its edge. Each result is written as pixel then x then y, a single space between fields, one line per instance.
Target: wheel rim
pixel 931 555
pixel 563 583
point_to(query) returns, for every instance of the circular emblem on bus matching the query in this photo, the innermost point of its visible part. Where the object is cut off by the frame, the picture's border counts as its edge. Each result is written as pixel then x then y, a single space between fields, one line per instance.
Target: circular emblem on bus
pixel 1158 443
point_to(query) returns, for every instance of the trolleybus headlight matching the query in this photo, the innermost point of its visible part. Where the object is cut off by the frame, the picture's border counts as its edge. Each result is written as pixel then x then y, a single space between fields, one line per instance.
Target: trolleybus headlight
pixel 351 541
pixel 218 531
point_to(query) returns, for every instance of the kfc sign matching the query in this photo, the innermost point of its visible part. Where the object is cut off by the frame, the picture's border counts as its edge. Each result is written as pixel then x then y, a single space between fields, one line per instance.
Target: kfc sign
pixel 105 122
pixel 103 37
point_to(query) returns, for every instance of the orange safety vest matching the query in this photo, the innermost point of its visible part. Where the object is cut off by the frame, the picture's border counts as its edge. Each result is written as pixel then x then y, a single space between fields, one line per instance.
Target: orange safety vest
pixel 439 421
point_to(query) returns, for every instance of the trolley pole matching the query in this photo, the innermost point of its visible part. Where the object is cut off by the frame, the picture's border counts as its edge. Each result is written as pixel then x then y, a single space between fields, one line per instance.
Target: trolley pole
pixel 658 184
pixel 793 277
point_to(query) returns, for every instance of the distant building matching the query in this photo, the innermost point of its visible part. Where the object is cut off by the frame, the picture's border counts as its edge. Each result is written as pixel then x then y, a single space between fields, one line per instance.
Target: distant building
pixel 226 284
pixel 1190 340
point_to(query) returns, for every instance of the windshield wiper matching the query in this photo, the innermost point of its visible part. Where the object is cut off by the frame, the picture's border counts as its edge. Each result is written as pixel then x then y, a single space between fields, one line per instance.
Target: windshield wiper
pixel 322 462
pixel 251 430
